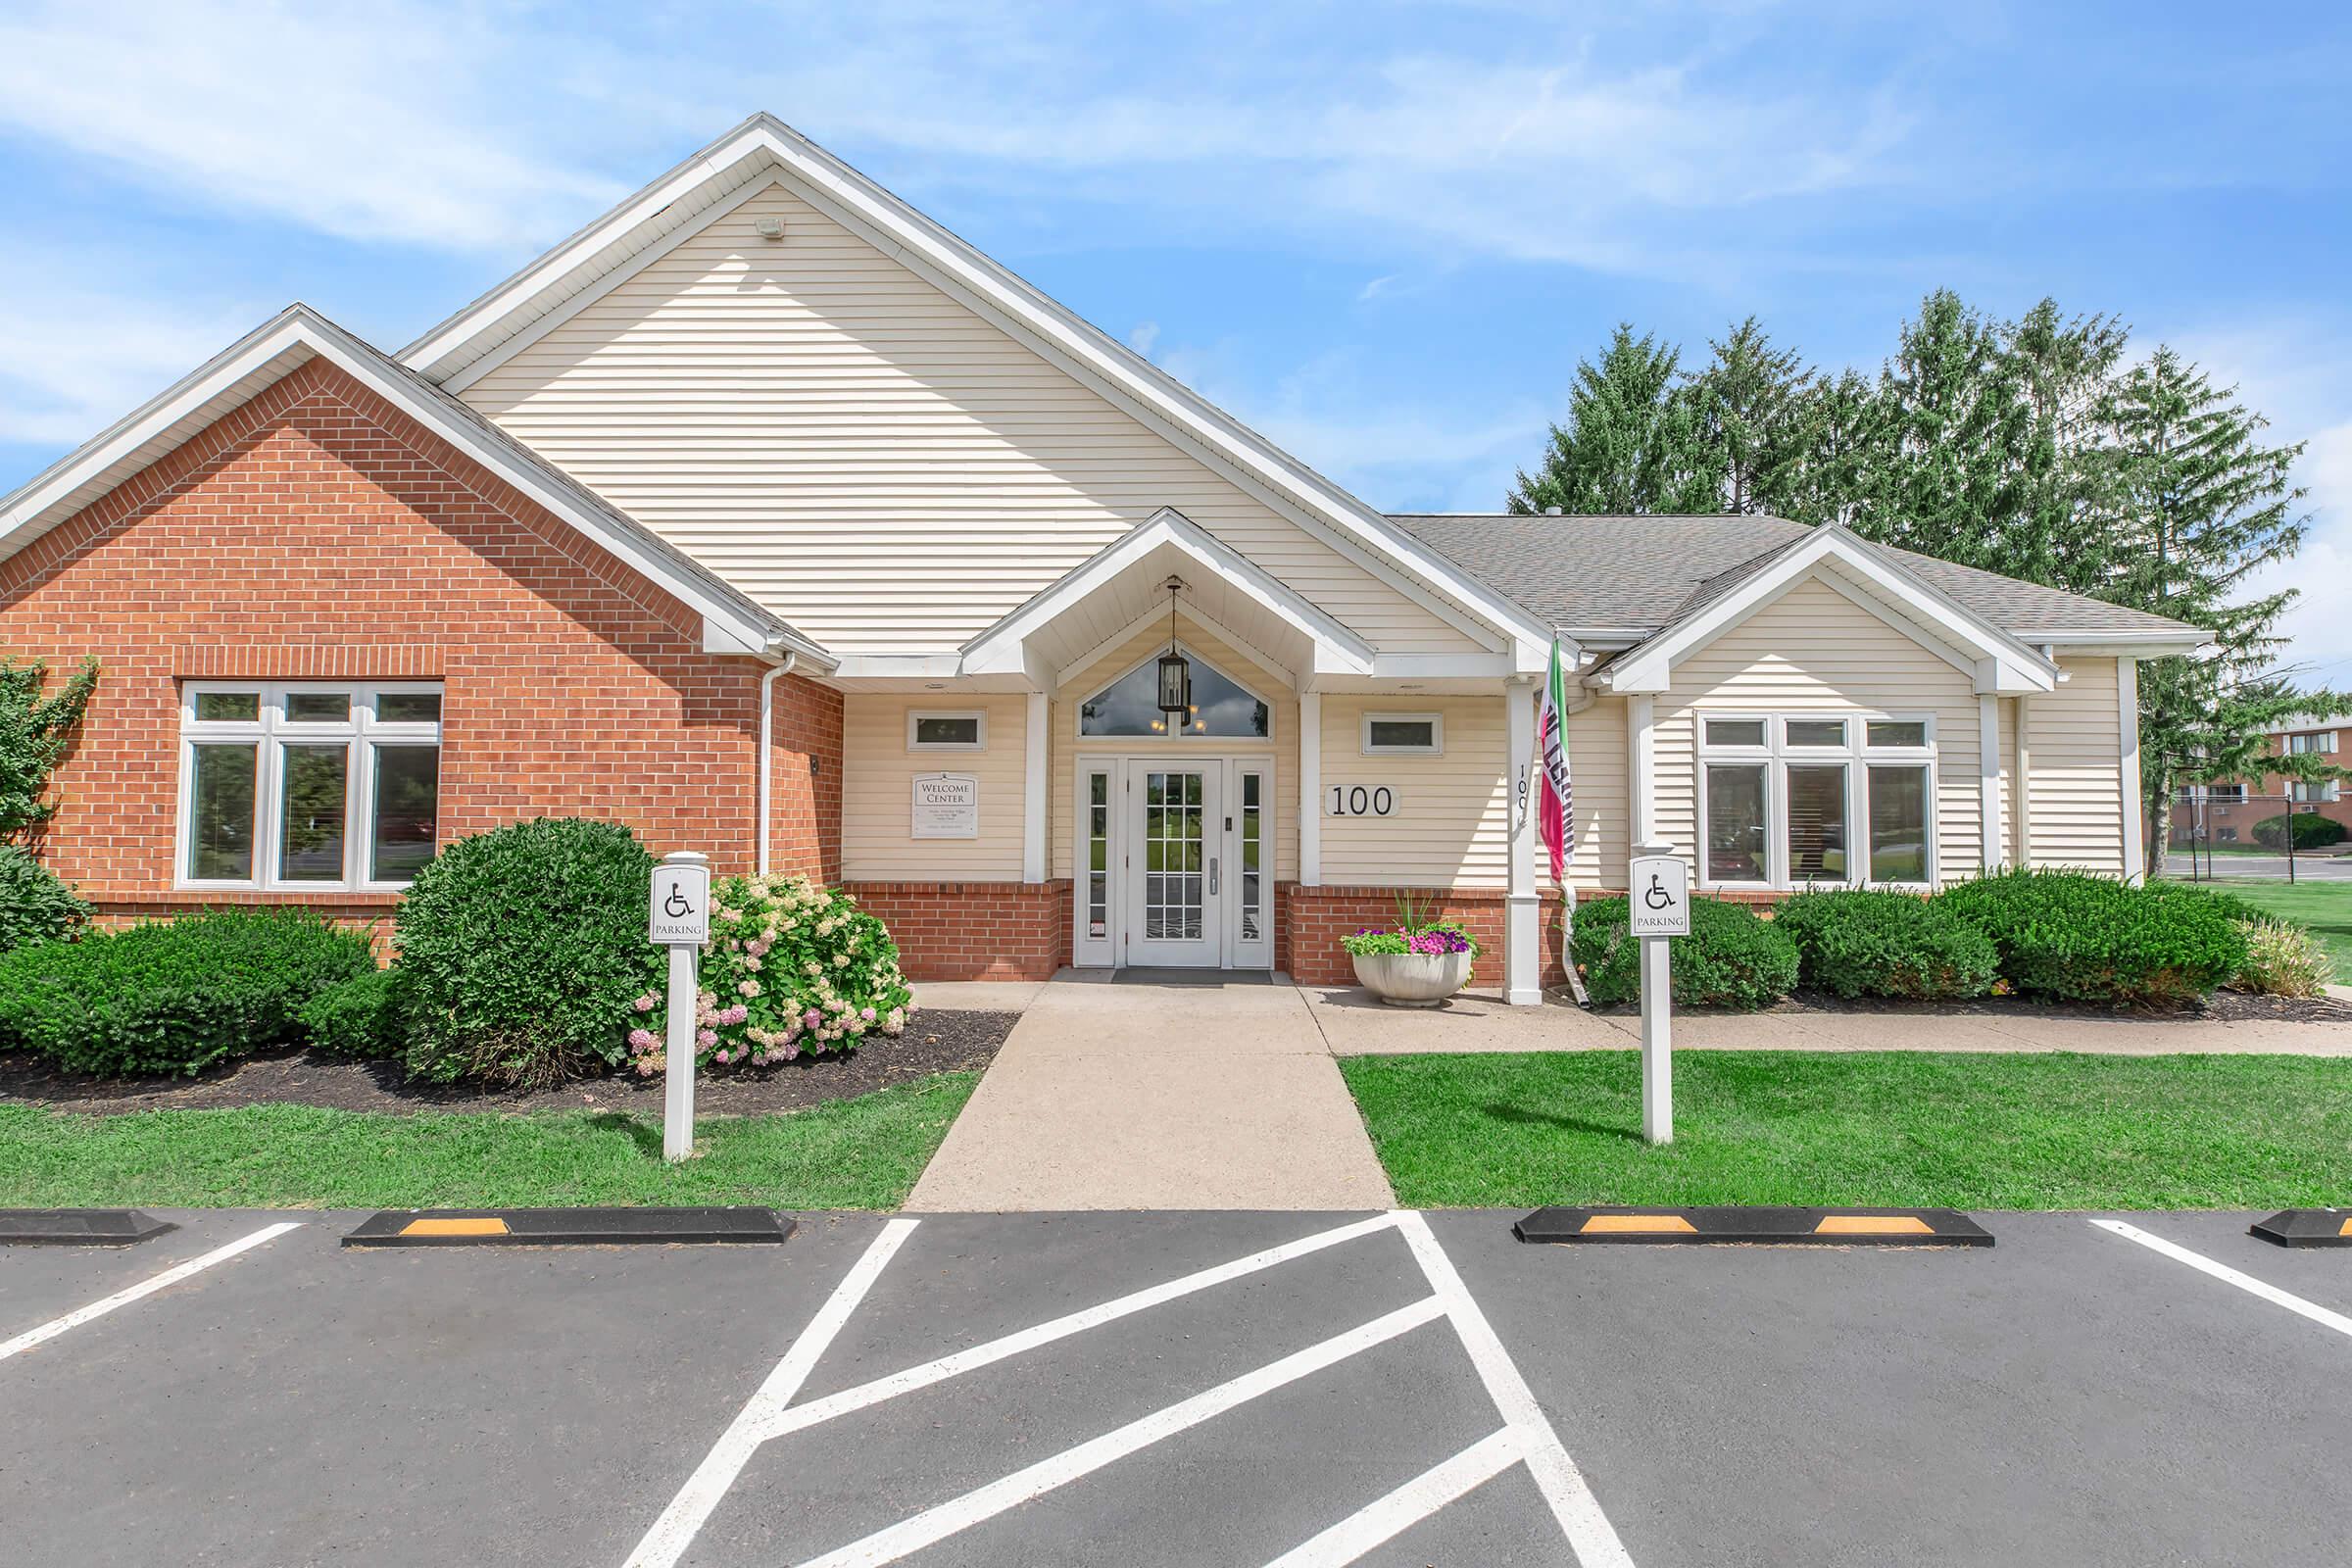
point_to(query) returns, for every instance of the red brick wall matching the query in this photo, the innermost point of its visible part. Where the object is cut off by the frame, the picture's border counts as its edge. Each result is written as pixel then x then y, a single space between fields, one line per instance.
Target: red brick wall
pixel 1311 920
pixel 975 930
pixel 320 533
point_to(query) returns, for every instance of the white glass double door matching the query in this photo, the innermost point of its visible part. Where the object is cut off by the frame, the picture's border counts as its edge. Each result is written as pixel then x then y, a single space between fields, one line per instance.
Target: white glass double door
pixel 1177 862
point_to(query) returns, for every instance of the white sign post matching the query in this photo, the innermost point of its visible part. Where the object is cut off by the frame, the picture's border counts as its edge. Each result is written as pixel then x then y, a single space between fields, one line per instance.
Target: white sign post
pixel 681 921
pixel 1661 911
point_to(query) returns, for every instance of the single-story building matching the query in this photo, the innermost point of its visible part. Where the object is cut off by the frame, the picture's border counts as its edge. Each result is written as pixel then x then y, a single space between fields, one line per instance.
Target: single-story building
pixel 770 518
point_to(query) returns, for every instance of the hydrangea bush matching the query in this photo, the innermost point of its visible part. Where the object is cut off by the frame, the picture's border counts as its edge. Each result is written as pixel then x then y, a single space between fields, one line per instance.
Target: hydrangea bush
pixel 793 967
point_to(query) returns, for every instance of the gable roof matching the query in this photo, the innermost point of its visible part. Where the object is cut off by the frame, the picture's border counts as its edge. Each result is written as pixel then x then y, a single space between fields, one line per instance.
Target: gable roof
pixel 733 620
pixel 763 147
pixel 1626 579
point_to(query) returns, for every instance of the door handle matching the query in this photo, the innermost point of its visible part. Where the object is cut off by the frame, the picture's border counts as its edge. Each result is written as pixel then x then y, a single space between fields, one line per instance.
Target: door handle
pixel 1212 876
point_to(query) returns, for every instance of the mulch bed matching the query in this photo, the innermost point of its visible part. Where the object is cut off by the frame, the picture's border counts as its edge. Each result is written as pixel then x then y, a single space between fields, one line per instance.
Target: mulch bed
pixel 934 1043
pixel 2223 1006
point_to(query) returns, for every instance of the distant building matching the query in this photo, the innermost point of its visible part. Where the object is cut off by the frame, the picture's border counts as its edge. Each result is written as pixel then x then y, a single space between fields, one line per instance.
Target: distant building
pixel 2229 812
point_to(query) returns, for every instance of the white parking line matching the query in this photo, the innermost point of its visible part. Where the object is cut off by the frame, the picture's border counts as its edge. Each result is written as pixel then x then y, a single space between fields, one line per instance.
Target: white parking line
pixel 935 1525
pixel 2229 1276
pixel 667 1542
pixel 1377 1523
pixel 1587 1529
pixel 145 1288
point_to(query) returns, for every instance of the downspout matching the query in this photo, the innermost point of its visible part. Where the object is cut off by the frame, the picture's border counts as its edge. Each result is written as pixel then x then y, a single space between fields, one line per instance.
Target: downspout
pixel 767 767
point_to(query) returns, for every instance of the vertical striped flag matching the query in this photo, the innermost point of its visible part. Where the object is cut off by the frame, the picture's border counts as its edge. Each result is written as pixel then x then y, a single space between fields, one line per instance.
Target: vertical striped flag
pixel 1558 810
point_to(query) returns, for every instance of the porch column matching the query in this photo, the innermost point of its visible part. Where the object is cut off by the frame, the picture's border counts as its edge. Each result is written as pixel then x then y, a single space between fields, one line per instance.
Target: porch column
pixel 1310 789
pixel 1523 905
pixel 2021 790
pixel 1642 785
pixel 1036 734
pixel 2126 712
pixel 1989 777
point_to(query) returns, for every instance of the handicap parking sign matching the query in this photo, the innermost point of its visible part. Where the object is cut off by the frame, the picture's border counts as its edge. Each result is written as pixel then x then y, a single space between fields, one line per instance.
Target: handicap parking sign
pixel 1661 896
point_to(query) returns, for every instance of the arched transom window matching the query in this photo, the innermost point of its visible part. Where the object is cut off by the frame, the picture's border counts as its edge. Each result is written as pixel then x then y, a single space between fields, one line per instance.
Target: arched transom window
pixel 1130 705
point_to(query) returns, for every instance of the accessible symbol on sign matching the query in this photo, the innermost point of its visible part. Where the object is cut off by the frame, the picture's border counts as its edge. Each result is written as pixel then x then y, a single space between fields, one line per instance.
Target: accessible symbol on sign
pixel 1661 896
pixel 681 906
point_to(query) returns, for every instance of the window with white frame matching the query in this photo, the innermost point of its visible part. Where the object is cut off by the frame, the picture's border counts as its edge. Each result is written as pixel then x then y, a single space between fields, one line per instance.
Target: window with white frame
pixel 961 731
pixel 1405 734
pixel 1790 799
pixel 2316 789
pixel 2318 741
pixel 308 784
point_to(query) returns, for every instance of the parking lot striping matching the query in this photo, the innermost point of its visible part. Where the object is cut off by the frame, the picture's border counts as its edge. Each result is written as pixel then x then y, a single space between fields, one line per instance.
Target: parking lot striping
pixel 1379 1522
pixel 1573 1504
pixel 145 1288
pixel 935 1525
pixel 817 1411
pixel 672 1534
pixel 2229 1276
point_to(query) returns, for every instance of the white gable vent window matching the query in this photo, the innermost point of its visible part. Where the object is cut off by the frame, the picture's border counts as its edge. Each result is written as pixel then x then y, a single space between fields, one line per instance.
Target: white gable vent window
pixel 1405 734
pixel 946 732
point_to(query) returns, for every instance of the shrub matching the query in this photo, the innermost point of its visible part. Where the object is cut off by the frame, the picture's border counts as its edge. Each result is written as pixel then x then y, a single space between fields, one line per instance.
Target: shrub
pixel 2283 960
pixel 359 1018
pixel 792 967
pixel 1729 959
pixel 523 948
pixel 1857 943
pixel 2084 938
pixel 2311 830
pixel 35 904
pixel 174 997
pixel 35 733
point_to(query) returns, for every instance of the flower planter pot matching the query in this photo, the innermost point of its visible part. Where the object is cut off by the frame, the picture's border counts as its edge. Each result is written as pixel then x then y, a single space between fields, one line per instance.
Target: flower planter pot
pixel 1412 979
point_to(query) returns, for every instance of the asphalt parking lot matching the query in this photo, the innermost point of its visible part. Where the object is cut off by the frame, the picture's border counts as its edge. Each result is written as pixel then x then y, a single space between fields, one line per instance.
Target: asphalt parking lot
pixel 1178 1389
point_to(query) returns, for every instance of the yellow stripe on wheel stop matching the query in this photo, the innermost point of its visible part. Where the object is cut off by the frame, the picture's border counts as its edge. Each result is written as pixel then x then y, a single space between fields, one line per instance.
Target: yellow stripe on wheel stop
pixel 1873 1225
pixel 454 1227
pixel 1637 1224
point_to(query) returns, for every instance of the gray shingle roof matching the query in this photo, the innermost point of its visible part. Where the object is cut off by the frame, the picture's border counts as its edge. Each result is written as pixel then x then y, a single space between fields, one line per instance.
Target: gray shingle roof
pixel 1637 574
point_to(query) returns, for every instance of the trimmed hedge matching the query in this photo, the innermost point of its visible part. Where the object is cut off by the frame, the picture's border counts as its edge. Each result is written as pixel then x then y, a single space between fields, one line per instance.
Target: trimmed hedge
pixel 359 1018
pixel 1859 942
pixel 524 949
pixel 35 903
pixel 174 997
pixel 2311 830
pixel 2093 939
pixel 1729 959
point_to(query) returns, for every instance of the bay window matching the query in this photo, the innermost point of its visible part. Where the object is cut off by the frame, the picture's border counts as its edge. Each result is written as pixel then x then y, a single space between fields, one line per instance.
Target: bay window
pixel 314 784
pixel 1792 799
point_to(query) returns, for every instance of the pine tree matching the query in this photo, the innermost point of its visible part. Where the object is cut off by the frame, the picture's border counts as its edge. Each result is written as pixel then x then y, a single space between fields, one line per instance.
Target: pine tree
pixel 2066 523
pixel 1631 444
pixel 2205 506
pixel 1751 404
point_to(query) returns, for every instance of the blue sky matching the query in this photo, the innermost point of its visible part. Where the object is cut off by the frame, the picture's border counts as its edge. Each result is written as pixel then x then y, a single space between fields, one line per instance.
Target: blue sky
pixel 1382 234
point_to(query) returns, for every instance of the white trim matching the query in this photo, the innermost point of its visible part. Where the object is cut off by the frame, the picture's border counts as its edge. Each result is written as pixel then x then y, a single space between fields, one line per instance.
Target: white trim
pixel 1036 735
pixel 1989 778
pixel 1642 770
pixel 2126 712
pixel 1310 789
pixel 1435 720
pixel 1243 953
pixel 1338 650
pixel 2021 787
pixel 2002 665
pixel 1777 753
pixel 1051 329
pixel 1092 952
pixel 1523 903
pixel 978 716
pixel 268 733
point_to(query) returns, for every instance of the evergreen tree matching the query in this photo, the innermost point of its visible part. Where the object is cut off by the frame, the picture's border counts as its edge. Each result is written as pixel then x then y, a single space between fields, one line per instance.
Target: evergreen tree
pixel 2066 524
pixel 2204 507
pixel 1751 406
pixel 1631 444
pixel 1837 439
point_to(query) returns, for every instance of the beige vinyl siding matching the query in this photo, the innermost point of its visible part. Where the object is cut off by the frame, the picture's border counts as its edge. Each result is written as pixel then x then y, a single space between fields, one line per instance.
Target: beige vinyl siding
pixel 2076 752
pixel 1451 824
pixel 1813 650
pixel 861 453
pixel 1597 775
pixel 1282 747
pixel 877 792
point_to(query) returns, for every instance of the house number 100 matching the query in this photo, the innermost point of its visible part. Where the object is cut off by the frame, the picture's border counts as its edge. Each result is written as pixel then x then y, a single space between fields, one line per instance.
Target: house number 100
pixel 1355 800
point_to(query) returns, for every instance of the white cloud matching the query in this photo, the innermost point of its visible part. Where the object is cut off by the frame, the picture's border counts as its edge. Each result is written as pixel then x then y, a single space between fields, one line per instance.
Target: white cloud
pixel 369 122
pixel 83 358
pixel 1142 335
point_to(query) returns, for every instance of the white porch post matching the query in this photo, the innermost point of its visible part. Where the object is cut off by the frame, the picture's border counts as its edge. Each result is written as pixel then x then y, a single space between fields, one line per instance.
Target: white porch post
pixel 1523 905
pixel 1641 766
pixel 2126 712
pixel 2021 789
pixel 1036 734
pixel 1989 777
pixel 1310 789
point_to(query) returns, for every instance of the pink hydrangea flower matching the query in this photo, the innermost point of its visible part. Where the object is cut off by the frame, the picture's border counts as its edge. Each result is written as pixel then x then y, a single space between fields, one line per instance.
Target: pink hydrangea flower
pixel 642 1039
pixel 706 1037
pixel 648 1001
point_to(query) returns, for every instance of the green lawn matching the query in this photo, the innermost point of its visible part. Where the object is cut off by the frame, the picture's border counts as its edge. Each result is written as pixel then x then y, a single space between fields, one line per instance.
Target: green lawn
pixel 1892 1128
pixel 853 1154
pixel 2324 907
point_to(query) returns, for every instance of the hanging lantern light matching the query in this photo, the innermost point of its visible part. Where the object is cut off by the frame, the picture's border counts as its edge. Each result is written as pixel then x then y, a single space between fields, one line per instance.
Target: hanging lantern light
pixel 1175 672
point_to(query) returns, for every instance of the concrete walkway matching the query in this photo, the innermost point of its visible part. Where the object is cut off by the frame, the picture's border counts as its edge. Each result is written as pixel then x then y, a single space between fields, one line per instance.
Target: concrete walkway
pixel 1121 1096
pixel 1352 1023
